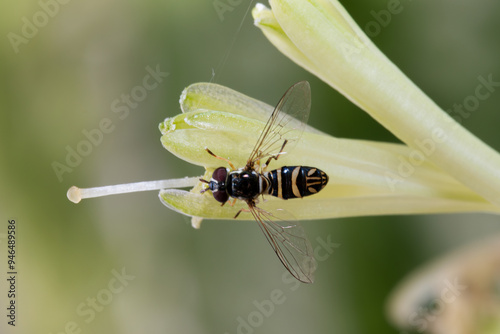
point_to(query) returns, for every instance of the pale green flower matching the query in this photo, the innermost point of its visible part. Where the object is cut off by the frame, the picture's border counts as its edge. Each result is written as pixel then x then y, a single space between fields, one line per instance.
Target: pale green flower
pixel 366 178
pixel 320 36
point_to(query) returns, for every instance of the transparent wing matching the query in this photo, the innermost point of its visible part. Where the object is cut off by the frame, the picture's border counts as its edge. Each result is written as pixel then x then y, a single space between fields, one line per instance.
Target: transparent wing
pixel 287 122
pixel 289 242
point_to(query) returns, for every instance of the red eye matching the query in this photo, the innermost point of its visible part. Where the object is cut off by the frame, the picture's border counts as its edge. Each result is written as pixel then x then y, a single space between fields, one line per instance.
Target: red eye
pixel 219 177
pixel 220 196
pixel 220 174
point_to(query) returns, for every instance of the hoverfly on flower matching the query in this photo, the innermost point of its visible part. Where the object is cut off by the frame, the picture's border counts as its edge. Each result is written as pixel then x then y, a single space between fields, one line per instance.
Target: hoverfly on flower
pixel 282 131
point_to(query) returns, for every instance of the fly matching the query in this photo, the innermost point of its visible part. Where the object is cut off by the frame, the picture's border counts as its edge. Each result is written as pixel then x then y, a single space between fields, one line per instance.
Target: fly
pixel 282 130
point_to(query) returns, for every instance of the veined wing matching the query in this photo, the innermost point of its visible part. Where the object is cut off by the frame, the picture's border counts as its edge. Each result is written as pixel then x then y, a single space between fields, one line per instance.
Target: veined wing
pixel 289 242
pixel 287 122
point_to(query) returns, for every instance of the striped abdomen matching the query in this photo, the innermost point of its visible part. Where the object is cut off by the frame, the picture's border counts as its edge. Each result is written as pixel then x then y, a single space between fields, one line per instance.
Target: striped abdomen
pixel 295 181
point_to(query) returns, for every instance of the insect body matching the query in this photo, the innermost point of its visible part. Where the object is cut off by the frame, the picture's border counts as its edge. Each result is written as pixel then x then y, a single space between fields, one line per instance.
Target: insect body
pixel 285 182
pixel 295 182
pixel 282 130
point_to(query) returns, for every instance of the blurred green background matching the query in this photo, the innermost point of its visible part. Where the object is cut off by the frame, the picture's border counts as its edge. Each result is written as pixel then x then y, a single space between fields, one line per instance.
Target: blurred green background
pixel 64 80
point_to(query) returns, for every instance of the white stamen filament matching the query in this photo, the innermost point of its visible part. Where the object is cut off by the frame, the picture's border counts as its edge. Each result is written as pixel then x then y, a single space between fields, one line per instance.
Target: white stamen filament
pixel 76 194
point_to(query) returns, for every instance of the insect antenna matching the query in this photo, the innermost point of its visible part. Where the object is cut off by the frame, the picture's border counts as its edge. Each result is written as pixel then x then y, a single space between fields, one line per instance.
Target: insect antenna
pixel 204 181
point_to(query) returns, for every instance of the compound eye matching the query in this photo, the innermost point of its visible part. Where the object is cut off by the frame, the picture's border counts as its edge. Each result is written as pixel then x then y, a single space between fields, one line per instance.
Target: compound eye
pixel 220 174
pixel 220 196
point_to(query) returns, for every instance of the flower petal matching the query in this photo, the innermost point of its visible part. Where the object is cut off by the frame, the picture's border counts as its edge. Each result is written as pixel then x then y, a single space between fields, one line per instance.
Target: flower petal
pixel 347 204
pixel 209 96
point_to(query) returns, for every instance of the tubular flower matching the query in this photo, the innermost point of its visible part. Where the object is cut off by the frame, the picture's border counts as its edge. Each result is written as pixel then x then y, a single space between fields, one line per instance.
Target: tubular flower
pixel 320 36
pixel 441 169
pixel 366 178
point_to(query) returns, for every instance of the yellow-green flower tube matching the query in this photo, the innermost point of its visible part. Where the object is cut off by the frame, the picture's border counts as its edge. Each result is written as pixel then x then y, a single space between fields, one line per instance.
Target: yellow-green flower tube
pixel 321 36
pixel 366 178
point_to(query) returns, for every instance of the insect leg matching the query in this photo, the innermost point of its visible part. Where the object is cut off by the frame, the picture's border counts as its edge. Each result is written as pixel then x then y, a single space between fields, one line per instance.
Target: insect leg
pixel 221 158
pixel 241 210
pixel 276 156
pixel 230 203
